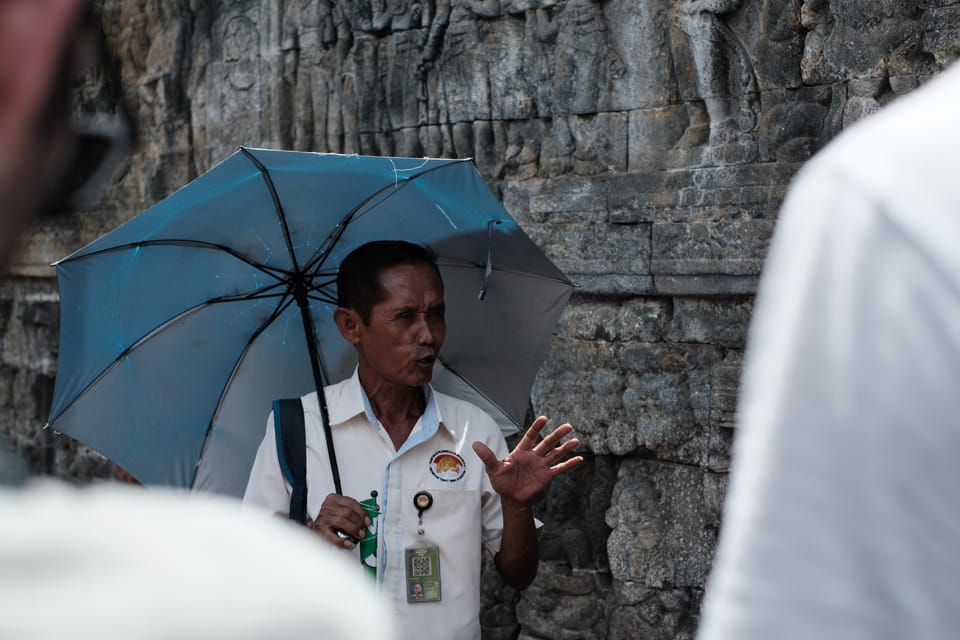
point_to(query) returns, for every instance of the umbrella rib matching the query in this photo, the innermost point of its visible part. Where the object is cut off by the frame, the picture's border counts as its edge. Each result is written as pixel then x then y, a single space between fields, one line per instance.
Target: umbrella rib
pixel 154 331
pixel 277 206
pixel 199 244
pixel 341 227
pixel 477 389
pixel 262 293
pixel 277 312
pixel 466 264
pixel 325 299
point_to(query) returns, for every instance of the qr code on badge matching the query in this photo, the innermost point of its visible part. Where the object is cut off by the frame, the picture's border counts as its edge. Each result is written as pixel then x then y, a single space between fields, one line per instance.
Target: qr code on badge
pixel 421 567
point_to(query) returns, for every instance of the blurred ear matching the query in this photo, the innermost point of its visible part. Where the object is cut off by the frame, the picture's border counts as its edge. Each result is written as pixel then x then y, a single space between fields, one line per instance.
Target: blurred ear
pixel 348 322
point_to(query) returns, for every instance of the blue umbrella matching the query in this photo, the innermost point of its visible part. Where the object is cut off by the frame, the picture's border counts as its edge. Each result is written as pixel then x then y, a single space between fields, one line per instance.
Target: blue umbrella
pixel 179 328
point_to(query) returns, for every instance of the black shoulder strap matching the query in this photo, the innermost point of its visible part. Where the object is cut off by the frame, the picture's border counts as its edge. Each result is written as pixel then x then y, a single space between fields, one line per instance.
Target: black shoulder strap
pixel 292 452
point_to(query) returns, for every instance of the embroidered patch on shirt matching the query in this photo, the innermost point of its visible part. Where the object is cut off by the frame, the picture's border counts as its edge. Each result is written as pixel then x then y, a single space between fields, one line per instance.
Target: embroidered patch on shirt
pixel 447 466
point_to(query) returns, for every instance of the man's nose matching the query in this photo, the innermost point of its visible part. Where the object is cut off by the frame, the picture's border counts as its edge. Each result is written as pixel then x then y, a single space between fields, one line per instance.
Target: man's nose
pixel 427 330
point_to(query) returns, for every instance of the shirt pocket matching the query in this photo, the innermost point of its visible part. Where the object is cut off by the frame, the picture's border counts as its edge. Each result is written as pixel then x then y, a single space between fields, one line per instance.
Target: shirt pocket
pixel 454 514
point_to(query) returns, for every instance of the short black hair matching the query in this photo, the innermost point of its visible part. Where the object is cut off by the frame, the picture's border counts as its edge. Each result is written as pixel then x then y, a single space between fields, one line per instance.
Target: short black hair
pixel 358 280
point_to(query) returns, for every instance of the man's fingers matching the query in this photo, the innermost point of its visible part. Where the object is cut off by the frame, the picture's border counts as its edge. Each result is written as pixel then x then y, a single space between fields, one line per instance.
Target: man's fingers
pixel 486 455
pixel 532 434
pixel 566 465
pixel 343 514
pixel 565 448
pixel 553 439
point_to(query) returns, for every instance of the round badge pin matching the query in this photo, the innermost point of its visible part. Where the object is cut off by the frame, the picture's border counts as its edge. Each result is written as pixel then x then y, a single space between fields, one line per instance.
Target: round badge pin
pixel 422 500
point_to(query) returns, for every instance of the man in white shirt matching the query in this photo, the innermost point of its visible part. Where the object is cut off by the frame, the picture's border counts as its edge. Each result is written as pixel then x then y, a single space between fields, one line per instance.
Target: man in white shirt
pixel 843 517
pixel 446 484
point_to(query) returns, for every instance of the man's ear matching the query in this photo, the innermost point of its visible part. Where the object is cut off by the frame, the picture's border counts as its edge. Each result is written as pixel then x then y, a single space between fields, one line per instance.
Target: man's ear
pixel 348 322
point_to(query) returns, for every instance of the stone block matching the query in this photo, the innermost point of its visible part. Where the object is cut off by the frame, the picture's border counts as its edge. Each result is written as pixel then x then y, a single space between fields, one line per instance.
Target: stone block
pixel 599 250
pixel 567 199
pixel 616 284
pixel 654 132
pixel 940 33
pixel 705 285
pixel 627 397
pixel 711 321
pixel 775 38
pixel 726 247
pixel 640 197
pixel 663 520
pixel 548 609
pixel 658 618
pixel 574 533
pixel 639 319
pixel 639 33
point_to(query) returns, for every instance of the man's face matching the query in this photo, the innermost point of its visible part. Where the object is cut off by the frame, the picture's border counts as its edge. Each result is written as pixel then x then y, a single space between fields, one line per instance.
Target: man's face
pixel 400 343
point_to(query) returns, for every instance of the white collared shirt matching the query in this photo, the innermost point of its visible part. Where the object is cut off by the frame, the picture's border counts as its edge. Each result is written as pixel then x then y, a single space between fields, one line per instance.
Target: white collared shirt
pixel 465 517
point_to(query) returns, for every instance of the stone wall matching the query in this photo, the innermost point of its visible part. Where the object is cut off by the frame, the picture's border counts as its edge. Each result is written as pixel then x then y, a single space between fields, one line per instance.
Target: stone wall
pixel 646 146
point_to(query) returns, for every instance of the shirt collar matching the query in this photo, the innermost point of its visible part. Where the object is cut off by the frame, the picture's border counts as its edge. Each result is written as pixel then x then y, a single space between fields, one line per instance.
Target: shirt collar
pixel 350 400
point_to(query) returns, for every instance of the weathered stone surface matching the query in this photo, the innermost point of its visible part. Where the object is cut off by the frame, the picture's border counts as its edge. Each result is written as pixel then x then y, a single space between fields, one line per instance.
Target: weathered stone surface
pixel 734 247
pixel 29 321
pixel 573 515
pixel 671 399
pixel 796 122
pixel 710 321
pixel 664 615
pixel 583 251
pixel 664 519
pixel 564 604
pixel 646 146
pixel 716 285
pixel 643 320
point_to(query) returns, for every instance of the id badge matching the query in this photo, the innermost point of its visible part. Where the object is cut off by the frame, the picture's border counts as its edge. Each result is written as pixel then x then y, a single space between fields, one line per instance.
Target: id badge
pixel 423 574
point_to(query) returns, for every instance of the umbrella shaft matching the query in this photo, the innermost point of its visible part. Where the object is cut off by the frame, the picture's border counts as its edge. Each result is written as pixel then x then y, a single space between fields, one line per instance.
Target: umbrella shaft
pixel 319 379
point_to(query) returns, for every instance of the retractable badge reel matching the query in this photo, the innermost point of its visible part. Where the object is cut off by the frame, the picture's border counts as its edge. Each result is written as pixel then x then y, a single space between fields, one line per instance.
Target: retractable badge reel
pixel 422 558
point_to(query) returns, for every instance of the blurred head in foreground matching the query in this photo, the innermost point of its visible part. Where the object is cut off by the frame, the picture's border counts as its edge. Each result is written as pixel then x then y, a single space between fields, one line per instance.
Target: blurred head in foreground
pixel 113 562
pixel 54 154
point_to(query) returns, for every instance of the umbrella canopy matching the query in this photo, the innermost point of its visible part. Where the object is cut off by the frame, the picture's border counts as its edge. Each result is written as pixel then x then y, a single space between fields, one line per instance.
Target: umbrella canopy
pixel 179 328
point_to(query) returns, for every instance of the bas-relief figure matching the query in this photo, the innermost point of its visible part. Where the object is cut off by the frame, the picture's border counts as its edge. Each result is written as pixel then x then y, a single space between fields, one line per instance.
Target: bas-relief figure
pixel 458 77
pixel 406 24
pixel 238 83
pixel 361 98
pixel 311 66
pixel 462 89
pixel 572 71
pixel 723 89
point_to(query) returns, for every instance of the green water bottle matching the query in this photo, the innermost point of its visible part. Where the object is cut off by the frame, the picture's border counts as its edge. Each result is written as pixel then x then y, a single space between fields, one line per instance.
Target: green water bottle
pixel 368 545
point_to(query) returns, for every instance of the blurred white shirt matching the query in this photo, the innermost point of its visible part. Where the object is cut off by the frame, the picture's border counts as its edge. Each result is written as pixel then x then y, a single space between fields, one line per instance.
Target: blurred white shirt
pixel 116 562
pixel 842 519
